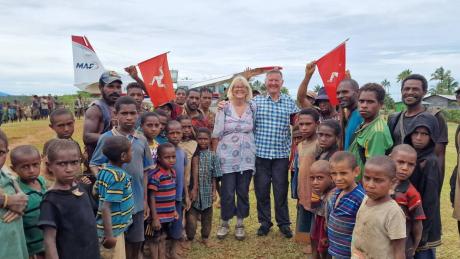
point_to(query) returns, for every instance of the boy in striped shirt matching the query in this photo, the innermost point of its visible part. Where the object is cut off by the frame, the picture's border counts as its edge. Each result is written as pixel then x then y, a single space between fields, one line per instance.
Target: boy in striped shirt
pixel 116 203
pixel 343 204
pixel 162 201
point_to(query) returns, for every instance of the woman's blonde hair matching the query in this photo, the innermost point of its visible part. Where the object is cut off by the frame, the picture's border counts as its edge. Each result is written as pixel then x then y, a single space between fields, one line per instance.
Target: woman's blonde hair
pixel 242 80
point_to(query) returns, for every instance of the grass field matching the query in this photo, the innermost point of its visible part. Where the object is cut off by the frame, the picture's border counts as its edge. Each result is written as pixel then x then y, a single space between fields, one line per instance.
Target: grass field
pixel 274 245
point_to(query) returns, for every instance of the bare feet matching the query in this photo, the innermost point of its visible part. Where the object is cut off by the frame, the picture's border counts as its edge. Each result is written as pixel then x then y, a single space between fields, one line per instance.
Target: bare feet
pixel 207 243
pixel 187 244
pixel 307 249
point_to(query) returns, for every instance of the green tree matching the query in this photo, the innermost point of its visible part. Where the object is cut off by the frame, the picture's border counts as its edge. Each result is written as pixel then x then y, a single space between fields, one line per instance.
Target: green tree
pixel 260 86
pixel 403 75
pixel 446 83
pixel 388 101
pixel 386 85
pixel 284 90
pixel 316 88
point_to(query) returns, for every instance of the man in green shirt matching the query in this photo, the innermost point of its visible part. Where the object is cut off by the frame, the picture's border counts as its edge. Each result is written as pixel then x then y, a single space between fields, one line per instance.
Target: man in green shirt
pixel 373 137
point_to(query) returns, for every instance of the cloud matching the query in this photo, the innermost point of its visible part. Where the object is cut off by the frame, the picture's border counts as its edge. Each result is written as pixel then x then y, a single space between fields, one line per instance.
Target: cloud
pixel 215 38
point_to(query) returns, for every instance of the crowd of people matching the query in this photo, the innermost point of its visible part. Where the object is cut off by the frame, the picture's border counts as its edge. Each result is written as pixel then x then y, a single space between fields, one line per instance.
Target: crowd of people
pixel 364 187
pixel 39 108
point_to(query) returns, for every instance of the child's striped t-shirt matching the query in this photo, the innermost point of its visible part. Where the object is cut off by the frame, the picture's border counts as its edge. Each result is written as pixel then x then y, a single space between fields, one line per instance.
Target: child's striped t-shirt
pixel 114 185
pixel 163 185
pixel 341 220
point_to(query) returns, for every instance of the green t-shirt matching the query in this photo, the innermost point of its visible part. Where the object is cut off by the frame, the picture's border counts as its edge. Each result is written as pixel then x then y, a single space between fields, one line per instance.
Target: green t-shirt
pixel 370 140
pixel 34 235
pixel 12 234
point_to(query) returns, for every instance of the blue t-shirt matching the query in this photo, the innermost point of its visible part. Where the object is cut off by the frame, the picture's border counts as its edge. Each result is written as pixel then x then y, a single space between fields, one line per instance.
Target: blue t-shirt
pixel 141 161
pixel 179 168
pixel 353 123
pixel 114 185
pixel 341 220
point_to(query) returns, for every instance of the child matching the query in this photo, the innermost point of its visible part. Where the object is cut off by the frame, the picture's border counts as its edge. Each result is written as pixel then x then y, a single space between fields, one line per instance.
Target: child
pixel 25 162
pixel 188 144
pixel 321 183
pixel 328 137
pixel 12 205
pixel 164 118
pixel 408 198
pixel 296 139
pixel 66 215
pixel 116 204
pixel 174 134
pixel 205 168
pixel 380 230
pixel 141 162
pixel 151 126
pixel 308 121
pixel 62 122
pixel 427 180
pixel 162 200
pixel 343 204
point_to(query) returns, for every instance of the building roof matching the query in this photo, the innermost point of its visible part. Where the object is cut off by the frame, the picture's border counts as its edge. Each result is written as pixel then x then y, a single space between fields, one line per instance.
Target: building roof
pixel 449 97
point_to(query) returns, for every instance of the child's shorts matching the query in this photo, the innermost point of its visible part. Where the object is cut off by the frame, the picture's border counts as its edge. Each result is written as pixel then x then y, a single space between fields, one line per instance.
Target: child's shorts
pixel 176 229
pixel 318 232
pixel 304 218
pixel 118 252
pixel 156 234
pixel 135 232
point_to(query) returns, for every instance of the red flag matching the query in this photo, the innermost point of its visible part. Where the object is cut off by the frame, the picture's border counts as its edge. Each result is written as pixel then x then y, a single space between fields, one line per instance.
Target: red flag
pixel 157 79
pixel 331 67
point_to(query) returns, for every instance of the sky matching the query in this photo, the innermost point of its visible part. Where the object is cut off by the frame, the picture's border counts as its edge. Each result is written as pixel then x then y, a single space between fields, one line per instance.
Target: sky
pixel 212 38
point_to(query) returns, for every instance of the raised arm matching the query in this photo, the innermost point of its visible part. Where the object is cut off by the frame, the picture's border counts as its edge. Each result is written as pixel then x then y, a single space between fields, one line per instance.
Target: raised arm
pixel 132 71
pixel 303 87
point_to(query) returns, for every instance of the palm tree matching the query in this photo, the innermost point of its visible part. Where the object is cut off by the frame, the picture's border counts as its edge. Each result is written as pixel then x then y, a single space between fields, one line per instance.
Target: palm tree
pixel 386 85
pixel 403 75
pixel 446 83
pixel 389 102
pixel 316 88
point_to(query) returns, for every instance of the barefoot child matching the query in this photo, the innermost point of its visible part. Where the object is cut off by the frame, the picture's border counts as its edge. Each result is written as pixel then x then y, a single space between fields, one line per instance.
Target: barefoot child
pixel 151 126
pixel 164 118
pixel 25 162
pixel 62 122
pixel 321 183
pixel 308 120
pixel 343 204
pixel 328 137
pixel 296 139
pixel 380 230
pixel 408 198
pixel 12 205
pixel 427 179
pixel 188 144
pixel 116 204
pixel 174 134
pixel 162 200
pixel 205 168
pixel 66 215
